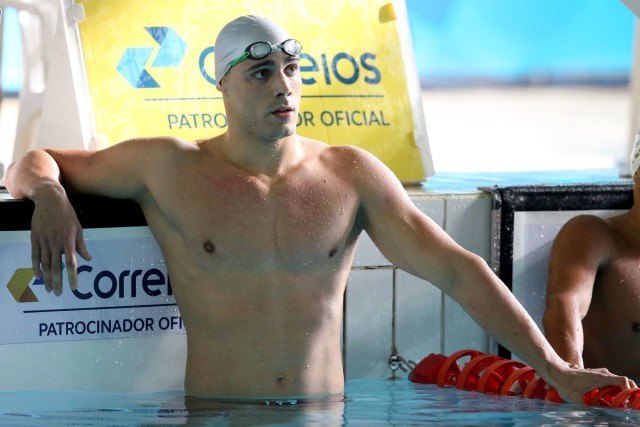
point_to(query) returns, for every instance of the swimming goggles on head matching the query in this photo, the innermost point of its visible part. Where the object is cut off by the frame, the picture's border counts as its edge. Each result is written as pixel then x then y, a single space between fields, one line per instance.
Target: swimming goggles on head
pixel 260 50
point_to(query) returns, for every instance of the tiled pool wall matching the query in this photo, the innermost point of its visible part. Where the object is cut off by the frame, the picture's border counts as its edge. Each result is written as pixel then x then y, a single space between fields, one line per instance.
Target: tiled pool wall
pixel 387 307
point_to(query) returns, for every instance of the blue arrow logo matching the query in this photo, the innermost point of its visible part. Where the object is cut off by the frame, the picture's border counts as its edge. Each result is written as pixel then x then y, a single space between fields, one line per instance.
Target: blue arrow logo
pixel 132 64
pixel 134 60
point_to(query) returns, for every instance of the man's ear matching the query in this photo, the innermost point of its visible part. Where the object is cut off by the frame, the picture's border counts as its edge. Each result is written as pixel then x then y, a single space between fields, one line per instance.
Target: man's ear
pixel 223 86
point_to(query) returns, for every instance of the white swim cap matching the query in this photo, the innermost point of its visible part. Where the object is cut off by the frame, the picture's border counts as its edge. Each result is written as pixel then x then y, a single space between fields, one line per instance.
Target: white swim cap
pixel 635 155
pixel 238 34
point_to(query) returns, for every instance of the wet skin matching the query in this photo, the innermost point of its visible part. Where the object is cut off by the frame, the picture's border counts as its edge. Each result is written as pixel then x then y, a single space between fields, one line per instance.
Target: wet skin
pixel 258 228
pixel 593 298
pixel 263 308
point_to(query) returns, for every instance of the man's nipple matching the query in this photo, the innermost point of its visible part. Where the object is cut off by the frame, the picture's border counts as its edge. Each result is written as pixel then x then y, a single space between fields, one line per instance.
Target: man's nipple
pixel 635 327
pixel 208 247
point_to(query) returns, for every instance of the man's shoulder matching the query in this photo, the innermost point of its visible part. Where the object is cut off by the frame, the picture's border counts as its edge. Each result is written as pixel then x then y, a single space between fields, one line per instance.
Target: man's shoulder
pixel 586 220
pixel 588 232
pixel 585 241
pixel 160 149
pixel 588 225
pixel 342 155
pixel 167 143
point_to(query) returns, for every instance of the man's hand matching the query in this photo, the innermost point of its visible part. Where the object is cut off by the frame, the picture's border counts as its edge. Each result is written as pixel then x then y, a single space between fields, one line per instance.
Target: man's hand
pixel 55 230
pixel 113 172
pixel 572 384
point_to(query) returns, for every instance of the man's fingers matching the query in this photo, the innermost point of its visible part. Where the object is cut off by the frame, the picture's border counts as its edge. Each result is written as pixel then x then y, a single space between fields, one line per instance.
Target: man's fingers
pixel 628 383
pixel 620 381
pixel 56 272
pixel 81 247
pixel 45 263
pixel 72 268
pixel 35 259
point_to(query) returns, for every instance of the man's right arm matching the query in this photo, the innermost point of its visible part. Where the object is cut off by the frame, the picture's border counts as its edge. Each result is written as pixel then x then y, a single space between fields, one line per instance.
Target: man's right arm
pixel 578 251
pixel 118 171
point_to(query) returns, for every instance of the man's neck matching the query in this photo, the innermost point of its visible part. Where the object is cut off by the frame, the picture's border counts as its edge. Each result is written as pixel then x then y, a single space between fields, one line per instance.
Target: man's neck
pixel 270 158
pixel 633 215
pixel 629 221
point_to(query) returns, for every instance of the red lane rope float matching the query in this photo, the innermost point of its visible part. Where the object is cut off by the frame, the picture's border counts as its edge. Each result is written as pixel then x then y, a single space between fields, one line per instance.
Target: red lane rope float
pixel 448 373
pixel 520 378
pixel 626 398
pixel 470 375
pixel 605 396
pixel 496 374
pixel 635 403
pixel 491 374
pixel 536 389
pixel 426 372
pixel 553 396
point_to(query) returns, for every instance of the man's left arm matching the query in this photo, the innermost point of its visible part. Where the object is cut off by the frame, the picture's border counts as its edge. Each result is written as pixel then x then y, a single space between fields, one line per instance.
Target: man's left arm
pixel 413 242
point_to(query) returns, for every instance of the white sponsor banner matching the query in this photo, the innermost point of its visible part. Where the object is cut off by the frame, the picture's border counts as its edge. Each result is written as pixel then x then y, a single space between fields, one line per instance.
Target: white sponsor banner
pixel 123 292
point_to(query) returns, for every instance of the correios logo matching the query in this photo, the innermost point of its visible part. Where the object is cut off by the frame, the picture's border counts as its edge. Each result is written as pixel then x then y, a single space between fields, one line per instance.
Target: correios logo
pixel 101 284
pixel 132 65
pixel 341 67
pixel 125 284
pixel 19 285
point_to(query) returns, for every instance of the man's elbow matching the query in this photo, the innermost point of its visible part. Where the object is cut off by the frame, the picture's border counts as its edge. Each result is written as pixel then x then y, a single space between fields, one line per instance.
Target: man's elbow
pixel 21 174
pixel 473 262
pixel 465 268
pixel 8 178
pixel 10 181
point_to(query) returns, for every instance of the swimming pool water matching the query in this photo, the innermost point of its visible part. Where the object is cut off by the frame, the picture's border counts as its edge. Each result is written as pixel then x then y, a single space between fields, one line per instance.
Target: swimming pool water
pixel 368 402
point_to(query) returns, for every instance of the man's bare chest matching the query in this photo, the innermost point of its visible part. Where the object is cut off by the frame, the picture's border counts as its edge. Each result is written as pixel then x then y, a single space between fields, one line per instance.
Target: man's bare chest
pixel 244 220
pixel 616 293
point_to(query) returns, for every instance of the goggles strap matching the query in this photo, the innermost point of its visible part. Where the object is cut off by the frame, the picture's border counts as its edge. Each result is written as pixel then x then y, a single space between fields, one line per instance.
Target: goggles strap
pixel 244 56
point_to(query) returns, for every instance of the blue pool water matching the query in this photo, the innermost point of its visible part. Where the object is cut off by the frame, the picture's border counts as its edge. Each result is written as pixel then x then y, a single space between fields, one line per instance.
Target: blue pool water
pixel 469 182
pixel 368 402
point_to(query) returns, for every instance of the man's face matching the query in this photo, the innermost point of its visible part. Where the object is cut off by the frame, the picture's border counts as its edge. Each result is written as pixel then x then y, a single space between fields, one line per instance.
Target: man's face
pixel 263 96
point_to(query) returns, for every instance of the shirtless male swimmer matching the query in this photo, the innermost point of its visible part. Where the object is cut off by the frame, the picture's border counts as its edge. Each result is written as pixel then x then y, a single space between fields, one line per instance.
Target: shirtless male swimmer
pixel 592 316
pixel 258 228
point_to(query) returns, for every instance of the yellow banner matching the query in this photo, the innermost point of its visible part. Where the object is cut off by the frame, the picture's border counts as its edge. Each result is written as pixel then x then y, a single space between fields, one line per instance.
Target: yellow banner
pixel 150 71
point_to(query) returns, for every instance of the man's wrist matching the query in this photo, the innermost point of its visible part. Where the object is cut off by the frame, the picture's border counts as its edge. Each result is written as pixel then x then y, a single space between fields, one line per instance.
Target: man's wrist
pixel 552 369
pixel 46 189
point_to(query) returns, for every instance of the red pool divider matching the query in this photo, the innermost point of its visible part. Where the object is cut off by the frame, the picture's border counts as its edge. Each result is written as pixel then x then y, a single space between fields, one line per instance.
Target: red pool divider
pixel 491 374
pixel 496 375
pixel 470 376
pixel 515 383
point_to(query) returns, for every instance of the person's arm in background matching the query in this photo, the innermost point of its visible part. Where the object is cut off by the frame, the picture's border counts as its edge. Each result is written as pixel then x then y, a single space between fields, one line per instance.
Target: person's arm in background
pixel 117 172
pixel 413 242
pixel 581 247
